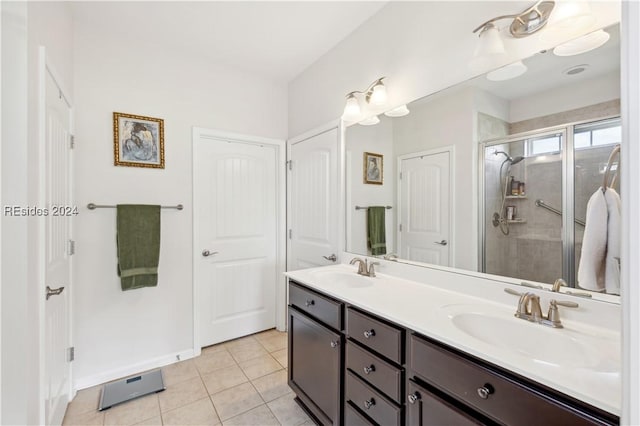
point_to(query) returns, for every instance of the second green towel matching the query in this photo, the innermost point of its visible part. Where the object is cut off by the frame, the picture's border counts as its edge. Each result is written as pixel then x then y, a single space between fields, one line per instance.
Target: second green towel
pixel 376 233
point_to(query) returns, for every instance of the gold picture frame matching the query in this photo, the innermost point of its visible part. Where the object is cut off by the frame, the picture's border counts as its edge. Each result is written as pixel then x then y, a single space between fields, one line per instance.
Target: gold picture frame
pixel 138 141
pixel 372 168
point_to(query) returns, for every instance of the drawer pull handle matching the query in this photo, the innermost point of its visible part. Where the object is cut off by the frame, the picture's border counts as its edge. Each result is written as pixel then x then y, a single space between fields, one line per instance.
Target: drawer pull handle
pixel 335 344
pixel 369 369
pixel 309 303
pixel 413 398
pixel 369 333
pixel 485 391
pixel 369 403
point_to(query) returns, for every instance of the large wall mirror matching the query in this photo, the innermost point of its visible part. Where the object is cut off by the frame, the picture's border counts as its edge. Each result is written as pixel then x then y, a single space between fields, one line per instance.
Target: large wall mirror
pixel 495 175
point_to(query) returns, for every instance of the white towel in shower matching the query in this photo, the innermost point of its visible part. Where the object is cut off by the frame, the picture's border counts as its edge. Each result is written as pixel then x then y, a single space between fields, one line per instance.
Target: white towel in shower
pixel 612 266
pixel 591 271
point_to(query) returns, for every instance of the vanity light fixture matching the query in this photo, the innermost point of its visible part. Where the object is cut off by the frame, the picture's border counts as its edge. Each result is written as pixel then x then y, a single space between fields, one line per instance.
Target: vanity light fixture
pixel 375 94
pixel 569 19
pixel 400 111
pixel 490 50
pixel 582 44
pixel 370 121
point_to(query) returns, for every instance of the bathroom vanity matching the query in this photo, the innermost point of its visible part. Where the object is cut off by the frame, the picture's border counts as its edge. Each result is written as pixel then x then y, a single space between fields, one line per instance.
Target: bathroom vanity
pixel 388 351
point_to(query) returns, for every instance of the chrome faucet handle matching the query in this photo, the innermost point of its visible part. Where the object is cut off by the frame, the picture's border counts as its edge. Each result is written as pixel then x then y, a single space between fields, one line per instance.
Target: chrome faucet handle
pixel 557 284
pixel 513 292
pixel 371 271
pixel 554 314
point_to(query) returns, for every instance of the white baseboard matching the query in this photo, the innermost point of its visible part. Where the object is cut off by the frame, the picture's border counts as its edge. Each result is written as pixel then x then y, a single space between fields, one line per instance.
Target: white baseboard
pixel 107 376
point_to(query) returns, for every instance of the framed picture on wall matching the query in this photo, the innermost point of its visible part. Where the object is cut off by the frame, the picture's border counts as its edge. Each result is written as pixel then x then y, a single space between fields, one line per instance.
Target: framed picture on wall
pixel 138 141
pixel 372 168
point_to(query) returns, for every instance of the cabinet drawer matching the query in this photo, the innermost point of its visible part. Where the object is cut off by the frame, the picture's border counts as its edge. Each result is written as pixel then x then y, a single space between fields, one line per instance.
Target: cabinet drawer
pixel 375 334
pixel 374 370
pixel 352 417
pixel 372 403
pixel 425 408
pixel 325 309
pixel 504 399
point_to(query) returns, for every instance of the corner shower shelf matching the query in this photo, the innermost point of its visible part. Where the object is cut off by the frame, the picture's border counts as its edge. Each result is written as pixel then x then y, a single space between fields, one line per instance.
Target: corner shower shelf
pixel 513 197
pixel 516 221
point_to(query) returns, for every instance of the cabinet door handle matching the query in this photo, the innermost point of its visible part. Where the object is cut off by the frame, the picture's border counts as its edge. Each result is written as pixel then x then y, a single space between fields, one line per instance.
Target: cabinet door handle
pixel 309 303
pixel 369 369
pixel 369 403
pixel 335 344
pixel 369 333
pixel 413 398
pixel 485 391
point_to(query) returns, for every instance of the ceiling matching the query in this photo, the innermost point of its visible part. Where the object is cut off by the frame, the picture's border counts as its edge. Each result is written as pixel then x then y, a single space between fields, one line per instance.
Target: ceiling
pixel 274 39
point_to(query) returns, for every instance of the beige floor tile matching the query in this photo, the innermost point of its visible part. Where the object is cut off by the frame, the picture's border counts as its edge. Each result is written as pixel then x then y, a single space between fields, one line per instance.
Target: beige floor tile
pixel 224 379
pixel 212 361
pixel 242 341
pixel 84 401
pixel 214 348
pixel 200 412
pixel 237 400
pixel 267 334
pixel 272 385
pixel 275 342
pixel 287 411
pixel 281 356
pixel 259 416
pixel 260 366
pixel 88 418
pixel 181 394
pixel 132 412
pixel 247 348
pixel 154 421
pixel 179 372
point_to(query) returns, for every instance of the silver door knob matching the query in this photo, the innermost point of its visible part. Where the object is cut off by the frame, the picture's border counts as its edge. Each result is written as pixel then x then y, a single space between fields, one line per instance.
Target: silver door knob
pixel 207 253
pixel 53 291
pixel 332 258
pixel 442 243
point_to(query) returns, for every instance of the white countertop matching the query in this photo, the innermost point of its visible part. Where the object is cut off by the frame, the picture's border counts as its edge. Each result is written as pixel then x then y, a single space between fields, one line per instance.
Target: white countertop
pixel 428 309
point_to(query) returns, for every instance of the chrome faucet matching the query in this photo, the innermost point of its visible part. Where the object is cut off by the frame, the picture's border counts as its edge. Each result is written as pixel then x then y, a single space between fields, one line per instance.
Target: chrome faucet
pixel 557 284
pixel 529 309
pixel 364 268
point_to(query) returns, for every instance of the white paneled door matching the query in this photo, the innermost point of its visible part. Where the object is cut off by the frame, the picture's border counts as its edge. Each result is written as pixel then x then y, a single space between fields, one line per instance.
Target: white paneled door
pixel 425 209
pixel 313 218
pixel 235 226
pixel 57 262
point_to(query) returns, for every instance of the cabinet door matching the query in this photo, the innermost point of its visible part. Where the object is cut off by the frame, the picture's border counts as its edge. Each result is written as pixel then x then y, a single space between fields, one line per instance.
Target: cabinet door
pixel 315 365
pixel 425 408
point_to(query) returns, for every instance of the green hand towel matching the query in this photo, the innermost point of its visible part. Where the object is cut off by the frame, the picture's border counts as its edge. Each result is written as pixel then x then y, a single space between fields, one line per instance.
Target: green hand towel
pixel 138 240
pixel 376 234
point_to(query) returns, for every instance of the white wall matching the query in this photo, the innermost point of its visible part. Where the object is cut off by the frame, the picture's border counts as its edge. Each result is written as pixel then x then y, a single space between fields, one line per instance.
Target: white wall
pixel 118 333
pixel 379 140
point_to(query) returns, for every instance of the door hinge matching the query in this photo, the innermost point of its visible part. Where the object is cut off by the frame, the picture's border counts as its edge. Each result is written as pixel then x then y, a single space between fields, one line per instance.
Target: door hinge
pixel 72 141
pixel 400 227
pixel 290 233
pixel 72 247
pixel 71 354
pixel 290 164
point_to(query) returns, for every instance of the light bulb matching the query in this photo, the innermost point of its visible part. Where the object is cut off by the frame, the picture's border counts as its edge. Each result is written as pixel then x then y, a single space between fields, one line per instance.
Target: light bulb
pixel 378 96
pixel 568 19
pixel 582 44
pixel 400 111
pixel 370 121
pixel 490 51
pixel 352 110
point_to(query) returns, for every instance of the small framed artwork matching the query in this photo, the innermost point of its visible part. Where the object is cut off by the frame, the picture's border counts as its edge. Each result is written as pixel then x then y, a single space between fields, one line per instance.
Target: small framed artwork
pixel 372 168
pixel 138 141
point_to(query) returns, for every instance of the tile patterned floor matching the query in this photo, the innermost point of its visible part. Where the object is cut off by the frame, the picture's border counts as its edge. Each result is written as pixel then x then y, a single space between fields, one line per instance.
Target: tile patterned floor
pixel 240 382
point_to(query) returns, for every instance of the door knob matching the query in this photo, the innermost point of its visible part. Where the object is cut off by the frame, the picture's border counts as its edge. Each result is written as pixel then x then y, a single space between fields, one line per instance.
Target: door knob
pixel 53 291
pixel 442 243
pixel 207 253
pixel 332 258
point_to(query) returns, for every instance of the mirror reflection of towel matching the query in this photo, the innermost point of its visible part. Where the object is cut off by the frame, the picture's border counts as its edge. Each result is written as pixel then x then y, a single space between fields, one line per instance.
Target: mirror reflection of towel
pixel 376 233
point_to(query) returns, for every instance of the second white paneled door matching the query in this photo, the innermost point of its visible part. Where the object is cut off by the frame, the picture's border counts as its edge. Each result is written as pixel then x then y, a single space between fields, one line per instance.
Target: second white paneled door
pixel 236 271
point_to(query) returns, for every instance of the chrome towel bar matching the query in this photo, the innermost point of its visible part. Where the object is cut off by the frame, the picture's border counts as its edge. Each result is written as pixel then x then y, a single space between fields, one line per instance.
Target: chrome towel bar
pixel 92 206
pixel 366 208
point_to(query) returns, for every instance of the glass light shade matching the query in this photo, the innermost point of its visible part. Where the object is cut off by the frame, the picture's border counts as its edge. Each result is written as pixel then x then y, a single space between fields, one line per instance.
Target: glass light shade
pixel 582 44
pixel 370 121
pixel 490 50
pixel 352 110
pixel 507 72
pixel 568 19
pixel 400 111
pixel 378 95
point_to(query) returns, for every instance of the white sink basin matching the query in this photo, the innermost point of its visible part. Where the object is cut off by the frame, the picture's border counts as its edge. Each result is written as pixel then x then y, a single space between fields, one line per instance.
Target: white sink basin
pixel 342 278
pixel 565 347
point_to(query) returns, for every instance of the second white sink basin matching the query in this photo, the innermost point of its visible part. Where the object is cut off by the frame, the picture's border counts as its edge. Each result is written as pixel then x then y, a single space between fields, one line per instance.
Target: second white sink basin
pixel 564 347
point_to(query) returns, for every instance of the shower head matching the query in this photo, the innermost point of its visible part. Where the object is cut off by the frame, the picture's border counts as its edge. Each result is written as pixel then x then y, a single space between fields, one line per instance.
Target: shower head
pixel 510 159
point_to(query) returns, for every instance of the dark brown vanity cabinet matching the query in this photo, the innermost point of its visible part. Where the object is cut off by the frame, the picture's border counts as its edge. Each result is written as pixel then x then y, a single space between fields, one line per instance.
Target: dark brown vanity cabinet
pixel 316 353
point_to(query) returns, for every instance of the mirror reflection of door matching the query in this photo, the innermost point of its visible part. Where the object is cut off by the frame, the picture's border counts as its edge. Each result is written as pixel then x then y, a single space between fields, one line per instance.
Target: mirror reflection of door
pixel 425 207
